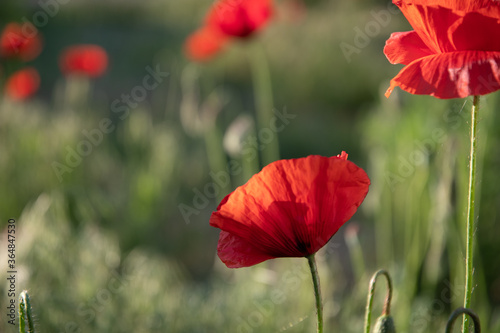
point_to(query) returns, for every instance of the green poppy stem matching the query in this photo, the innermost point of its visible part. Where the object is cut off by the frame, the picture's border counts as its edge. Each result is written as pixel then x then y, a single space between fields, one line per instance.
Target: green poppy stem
pixel 469 267
pixel 317 291
pixel 264 104
pixel 468 313
pixel 371 292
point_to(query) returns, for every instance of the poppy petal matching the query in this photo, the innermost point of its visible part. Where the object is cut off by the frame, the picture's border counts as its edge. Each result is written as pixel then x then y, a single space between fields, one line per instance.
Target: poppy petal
pixel 22 84
pixel 466 58
pixel 239 18
pixel 451 75
pixel 431 23
pixel 87 60
pixel 236 252
pixel 491 6
pixel 204 44
pixel 293 207
pixel 23 41
pixel 474 32
pixel 405 47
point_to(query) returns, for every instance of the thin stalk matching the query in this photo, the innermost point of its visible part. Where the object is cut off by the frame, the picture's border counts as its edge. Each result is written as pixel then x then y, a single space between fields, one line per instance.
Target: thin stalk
pixel 461 311
pixel 469 264
pixel 264 105
pixel 371 292
pixel 317 291
pixel 217 158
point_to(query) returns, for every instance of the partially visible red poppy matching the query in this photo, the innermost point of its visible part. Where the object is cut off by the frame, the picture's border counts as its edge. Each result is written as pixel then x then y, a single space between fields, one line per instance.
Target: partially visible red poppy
pixel 290 209
pixel 204 43
pixel 22 84
pixel 86 60
pixel 20 41
pixel 453 52
pixel 227 19
pixel 240 18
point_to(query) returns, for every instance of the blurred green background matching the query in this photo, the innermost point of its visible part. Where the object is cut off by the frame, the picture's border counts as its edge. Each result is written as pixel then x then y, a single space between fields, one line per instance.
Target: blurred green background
pixel 122 242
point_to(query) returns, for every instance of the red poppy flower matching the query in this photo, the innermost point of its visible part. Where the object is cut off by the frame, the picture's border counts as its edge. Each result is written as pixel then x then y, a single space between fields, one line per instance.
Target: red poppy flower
pixel 18 42
pixel 22 84
pixel 453 51
pixel 290 209
pixel 227 19
pixel 205 43
pixel 239 18
pixel 86 60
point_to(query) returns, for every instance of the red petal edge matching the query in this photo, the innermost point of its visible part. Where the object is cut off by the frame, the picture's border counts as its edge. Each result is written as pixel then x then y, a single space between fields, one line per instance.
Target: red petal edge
pixel 405 47
pixel 451 75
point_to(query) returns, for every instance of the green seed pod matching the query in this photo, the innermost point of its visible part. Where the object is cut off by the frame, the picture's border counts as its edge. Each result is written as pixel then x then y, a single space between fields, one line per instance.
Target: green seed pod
pixel 385 324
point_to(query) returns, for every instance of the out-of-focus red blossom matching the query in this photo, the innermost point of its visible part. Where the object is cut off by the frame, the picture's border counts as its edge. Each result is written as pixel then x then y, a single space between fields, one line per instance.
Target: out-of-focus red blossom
pixel 204 44
pixel 239 18
pixel 290 209
pixel 227 19
pixel 18 42
pixel 22 84
pixel 86 60
pixel 453 51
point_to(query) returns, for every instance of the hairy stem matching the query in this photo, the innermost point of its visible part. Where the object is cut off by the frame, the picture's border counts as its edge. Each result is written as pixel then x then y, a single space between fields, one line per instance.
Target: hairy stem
pixel 264 106
pixel 371 293
pixel 317 291
pixel 26 324
pixel 469 264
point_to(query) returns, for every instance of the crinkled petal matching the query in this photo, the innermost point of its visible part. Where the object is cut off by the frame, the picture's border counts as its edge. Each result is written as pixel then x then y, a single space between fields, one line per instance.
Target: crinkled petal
pixel 448 26
pixel 236 252
pixel 451 75
pixel 431 23
pixel 405 47
pixel 293 207
pixel 487 6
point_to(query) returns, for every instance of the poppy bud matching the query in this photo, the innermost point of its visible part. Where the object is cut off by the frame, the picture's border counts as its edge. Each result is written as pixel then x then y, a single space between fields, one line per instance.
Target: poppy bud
pixel 26 323
pixel 385 324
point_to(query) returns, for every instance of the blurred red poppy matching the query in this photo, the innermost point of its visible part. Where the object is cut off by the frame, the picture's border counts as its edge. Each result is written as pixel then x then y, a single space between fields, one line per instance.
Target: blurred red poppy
pixel 239 18
pixel 290 209
pixel 85 60
pixel 22 84
pixel 227 19
pixel 17 41
pixel 205 43
pixel 453 51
